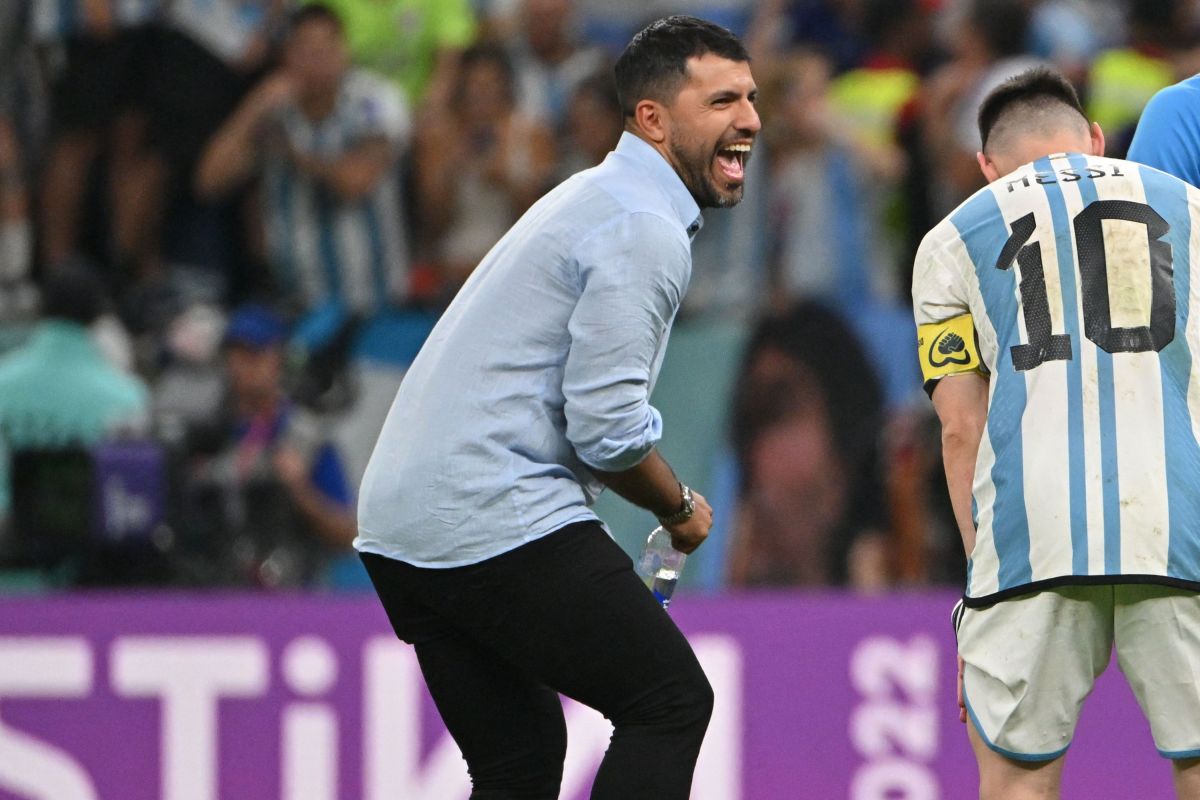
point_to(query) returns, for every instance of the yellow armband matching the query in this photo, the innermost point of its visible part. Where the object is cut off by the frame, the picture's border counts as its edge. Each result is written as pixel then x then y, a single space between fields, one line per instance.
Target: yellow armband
pixel 948 348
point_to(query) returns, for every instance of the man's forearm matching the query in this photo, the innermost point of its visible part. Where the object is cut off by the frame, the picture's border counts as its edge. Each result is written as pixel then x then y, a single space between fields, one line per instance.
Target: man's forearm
pixel 651 484
pixel 333 523
pixel 958 456
pixel 961 405
pixel 230 156
pixel 352 175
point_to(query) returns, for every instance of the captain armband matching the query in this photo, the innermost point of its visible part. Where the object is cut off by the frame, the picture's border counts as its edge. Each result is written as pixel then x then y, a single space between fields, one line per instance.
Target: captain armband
pixel 949 347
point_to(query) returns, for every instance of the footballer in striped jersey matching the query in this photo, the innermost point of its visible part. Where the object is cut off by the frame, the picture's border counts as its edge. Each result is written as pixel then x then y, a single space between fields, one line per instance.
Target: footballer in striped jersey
pixel 1056 340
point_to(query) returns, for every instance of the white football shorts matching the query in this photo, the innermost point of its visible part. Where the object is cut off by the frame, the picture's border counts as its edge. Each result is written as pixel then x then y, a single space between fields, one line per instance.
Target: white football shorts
pixel 1030 661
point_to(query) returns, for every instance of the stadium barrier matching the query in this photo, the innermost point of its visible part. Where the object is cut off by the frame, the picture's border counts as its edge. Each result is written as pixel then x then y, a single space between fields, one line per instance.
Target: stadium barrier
pixel 310 697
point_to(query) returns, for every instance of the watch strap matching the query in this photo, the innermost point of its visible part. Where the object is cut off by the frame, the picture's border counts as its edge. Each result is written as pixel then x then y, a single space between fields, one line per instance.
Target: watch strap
pixel 686 510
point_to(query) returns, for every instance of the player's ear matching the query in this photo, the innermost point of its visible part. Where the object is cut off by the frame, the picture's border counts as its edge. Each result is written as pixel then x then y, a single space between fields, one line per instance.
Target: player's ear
pixel 651 118
pixel 987 167
pixel 1097 140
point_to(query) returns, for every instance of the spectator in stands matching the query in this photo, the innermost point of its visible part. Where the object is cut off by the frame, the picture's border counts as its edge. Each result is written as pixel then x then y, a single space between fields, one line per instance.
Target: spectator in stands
pixel 17 294
pixel 807 419
pixel 97 98
pixel 593 125
pixel 479 164
pixel 824 241
pixel 549 61
pixel 830 25
pixel 413 43
pixel 1069 33
pixel 870 97
pixel 58 390
pixel 16 226
pixel 204 58
pixel 325 138
pixel 264 495
pixel 869 102
pixel 1123 79
pixel 987 40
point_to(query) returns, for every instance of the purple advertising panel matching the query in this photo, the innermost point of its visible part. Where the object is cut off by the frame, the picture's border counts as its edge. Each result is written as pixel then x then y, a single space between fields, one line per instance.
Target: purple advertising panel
pixel 145 697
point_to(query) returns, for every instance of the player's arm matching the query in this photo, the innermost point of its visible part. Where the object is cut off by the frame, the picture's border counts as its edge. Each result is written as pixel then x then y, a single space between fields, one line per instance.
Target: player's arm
pixel 633 274
pixel 951 364
pixel 955 378
pixel 960 401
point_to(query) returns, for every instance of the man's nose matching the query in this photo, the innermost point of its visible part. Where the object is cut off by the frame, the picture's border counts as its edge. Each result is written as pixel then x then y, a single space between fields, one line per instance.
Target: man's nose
pixel 747 118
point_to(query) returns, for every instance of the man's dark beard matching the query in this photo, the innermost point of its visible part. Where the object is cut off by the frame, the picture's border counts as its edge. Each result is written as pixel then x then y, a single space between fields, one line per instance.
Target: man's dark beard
pixel 697 177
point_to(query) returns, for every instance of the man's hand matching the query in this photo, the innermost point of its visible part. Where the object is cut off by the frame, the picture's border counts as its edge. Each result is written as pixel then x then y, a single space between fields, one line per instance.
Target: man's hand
pixel 291 469
pixel 275 92
pixel 653 486
pixel 687 535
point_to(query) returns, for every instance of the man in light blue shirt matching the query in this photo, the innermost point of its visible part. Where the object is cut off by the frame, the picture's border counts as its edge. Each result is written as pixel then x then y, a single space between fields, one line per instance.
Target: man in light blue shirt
pixel 530 396
pixel 1168 133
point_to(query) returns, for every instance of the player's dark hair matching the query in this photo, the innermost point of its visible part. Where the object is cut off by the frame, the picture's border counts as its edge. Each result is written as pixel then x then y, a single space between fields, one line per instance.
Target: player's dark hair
pixel 314 12
pixel 654 64
pixel 1036 88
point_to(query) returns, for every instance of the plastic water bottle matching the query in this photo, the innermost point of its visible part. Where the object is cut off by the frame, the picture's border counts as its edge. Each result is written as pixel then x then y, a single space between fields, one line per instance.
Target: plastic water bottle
pixel 660 565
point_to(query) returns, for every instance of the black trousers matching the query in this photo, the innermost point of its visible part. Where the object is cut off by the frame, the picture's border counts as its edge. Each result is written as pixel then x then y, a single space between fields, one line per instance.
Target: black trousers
pixel 498 641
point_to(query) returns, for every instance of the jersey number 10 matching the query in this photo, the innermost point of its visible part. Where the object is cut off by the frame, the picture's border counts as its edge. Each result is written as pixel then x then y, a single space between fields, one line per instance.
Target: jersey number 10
pixel 1044 345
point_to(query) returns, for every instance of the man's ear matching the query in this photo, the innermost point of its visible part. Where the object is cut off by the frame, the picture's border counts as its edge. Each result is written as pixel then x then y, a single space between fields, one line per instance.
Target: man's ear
pixel 1097 140
pixel 653 120
pixel 987 167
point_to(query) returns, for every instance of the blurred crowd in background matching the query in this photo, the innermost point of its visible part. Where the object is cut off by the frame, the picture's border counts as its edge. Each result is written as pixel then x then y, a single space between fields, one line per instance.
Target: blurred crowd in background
pixel 226 226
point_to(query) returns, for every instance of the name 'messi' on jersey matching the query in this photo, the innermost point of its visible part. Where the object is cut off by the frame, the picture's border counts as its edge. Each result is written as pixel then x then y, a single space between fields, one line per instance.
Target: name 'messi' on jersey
pixel 1069 284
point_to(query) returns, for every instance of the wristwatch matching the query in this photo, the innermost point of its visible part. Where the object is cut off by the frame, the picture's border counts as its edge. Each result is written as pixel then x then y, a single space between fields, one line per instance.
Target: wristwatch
pixel 685 511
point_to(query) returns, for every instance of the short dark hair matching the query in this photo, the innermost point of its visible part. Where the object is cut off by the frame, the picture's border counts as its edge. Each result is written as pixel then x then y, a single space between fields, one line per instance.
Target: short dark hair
pixel 314 12
pixel 654 63
pixel 1035 89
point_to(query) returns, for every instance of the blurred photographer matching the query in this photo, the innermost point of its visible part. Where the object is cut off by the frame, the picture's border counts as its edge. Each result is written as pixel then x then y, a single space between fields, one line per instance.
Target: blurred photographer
pixel 264 498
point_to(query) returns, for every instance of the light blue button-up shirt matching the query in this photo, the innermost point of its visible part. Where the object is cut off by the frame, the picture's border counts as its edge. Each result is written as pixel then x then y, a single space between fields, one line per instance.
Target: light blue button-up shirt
pixel 541 368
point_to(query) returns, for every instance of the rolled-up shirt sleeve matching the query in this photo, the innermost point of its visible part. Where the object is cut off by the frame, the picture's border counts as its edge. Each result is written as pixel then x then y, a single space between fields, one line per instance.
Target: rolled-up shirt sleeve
pixel 633 275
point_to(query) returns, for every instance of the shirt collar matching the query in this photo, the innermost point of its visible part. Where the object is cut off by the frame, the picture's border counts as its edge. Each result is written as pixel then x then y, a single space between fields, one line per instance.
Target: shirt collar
pixel 652 162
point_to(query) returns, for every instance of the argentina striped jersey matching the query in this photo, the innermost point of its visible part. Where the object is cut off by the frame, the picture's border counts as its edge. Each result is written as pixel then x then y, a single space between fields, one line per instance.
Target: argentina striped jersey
pixel 324 247
pixel 1079 275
